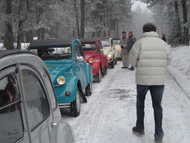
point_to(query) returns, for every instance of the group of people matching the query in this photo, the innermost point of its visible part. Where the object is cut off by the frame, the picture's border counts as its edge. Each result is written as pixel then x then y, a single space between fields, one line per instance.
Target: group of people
pixel 148 55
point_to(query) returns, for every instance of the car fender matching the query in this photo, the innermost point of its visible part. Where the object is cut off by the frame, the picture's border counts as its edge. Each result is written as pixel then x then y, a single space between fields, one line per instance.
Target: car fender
pixel 96 66
pixel 89 73
pixel 63 133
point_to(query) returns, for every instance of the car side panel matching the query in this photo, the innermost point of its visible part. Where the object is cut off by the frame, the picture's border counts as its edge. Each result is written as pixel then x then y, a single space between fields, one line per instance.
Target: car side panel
pixel 63 133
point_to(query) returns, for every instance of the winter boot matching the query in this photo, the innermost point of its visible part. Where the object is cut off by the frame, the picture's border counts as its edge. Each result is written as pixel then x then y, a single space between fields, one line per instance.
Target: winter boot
pixel 138 131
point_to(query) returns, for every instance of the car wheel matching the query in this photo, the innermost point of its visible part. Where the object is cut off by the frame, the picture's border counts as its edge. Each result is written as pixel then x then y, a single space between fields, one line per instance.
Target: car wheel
pixel 112 65
pixel 76 105
pixel 115 61
pixel 105 71
pixel 99 77
pixel 89 90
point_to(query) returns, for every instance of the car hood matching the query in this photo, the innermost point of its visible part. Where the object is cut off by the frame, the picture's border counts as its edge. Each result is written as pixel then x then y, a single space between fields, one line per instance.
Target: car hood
pixel 107 50
pixel 57 68
pixel 91 53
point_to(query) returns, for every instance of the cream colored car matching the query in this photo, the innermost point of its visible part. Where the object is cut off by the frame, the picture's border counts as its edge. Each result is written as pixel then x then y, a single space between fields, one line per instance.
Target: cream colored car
pixel 110 52
pixel 117 47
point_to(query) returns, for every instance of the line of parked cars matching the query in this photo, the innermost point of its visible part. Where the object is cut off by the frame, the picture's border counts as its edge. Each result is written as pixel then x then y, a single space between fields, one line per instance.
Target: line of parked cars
pixel 52 76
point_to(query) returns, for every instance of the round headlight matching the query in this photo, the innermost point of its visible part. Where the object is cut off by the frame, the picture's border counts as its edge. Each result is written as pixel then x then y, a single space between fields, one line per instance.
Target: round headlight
pixel 109 56
pixel 61 80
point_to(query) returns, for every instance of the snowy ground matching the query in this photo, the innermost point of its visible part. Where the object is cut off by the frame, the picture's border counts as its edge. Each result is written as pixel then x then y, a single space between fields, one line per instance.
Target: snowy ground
pixel 180 59
pixel 110 112
pixel 180 67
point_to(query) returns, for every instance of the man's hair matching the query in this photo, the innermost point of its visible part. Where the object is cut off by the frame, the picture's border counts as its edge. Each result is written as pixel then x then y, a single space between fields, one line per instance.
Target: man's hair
pixel 124 32
pixel 149 27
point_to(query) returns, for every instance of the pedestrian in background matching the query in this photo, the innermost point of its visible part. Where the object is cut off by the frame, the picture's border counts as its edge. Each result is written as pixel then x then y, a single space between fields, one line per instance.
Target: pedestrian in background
pixel 130 42
pixel 164 37
pixel 124 52
pixel 149 56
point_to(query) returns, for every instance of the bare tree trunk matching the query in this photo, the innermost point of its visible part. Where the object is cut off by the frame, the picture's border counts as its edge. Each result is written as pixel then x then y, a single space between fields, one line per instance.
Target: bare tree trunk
pixel 77 18
pixel 8 38
pixel 185 20
pixel 20 22
pixel 82 25
pixel 179 33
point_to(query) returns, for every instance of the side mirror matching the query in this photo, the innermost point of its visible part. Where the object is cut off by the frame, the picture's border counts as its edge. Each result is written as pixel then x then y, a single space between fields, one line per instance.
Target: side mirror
pixel 80 58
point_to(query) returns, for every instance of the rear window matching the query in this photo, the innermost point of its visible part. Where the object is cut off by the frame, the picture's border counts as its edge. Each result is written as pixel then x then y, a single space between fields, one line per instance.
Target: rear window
pixel 105 44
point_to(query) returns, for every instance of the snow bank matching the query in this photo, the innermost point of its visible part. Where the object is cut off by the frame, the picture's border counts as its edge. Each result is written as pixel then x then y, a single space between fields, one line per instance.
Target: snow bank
pixel 180 67
pixel 180 59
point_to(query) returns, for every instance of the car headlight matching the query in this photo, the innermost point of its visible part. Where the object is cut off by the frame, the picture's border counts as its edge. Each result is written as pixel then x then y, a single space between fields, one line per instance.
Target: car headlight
pixel 90 60
pixel 61 80
pixel 109 56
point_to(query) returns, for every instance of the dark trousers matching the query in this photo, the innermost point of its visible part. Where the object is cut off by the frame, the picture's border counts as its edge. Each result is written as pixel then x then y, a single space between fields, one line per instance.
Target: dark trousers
pixel 156 95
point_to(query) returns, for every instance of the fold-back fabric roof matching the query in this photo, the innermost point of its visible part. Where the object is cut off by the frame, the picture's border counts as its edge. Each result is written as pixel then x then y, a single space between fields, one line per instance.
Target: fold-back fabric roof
pixel 4 53
pixel 39 44
pixel 87 42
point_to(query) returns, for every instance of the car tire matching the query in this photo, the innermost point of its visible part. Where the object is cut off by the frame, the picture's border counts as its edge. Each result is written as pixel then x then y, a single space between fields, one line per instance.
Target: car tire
pixel 76 105
pixel 89 90
pixel 115 61
pixel 112 65
pixel 105 71
pixel 99 76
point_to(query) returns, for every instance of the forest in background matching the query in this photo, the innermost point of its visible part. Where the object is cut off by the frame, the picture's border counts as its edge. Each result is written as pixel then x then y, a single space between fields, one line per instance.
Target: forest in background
pixel 21 20
pixel 173 19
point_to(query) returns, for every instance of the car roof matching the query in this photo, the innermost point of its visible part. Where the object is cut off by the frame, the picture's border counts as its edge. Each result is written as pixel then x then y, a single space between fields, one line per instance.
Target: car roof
pixel 88 42
pixel 4 53
pixel 39 44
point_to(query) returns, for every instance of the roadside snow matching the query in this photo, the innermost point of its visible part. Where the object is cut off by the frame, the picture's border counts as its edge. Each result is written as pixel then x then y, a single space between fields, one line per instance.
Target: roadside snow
pixel 180 67
pixel 180 59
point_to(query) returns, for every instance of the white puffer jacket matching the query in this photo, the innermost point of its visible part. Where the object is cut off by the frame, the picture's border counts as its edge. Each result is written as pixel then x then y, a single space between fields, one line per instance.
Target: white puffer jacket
pixel 149 55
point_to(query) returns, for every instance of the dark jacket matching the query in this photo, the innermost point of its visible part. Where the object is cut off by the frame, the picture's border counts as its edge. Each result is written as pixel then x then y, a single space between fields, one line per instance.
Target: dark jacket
pixel 130 43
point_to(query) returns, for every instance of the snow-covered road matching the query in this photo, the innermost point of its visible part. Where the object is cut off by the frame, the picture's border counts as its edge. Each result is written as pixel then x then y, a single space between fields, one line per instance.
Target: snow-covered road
pixel 110 112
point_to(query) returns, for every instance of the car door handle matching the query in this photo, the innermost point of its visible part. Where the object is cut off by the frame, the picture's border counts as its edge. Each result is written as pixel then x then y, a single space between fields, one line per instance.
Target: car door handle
pixel 54 124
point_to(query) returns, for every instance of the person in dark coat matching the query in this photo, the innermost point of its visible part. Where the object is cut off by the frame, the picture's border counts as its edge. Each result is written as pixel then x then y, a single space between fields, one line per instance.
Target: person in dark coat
pixel 130 42
pixel 124 52
pixel 164 38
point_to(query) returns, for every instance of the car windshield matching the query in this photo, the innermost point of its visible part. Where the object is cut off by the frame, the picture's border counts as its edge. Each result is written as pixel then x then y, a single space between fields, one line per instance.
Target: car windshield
pixel 88 47
pixel 116 42
pixel 106 44
pixel 55 53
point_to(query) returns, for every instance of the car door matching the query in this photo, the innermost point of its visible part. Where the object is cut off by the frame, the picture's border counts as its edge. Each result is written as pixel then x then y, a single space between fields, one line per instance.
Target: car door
pixel 12 120
pixel 60 133
pixel 37 105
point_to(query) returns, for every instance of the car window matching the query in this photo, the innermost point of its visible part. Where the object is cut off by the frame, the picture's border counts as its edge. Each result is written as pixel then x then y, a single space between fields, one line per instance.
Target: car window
pixel 55 53
pixel 11 123
pixel 106 44
pixel 36 100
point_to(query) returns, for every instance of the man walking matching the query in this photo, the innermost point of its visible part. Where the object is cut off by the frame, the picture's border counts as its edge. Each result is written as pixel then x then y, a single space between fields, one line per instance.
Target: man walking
pixel 149 56
pixel 124 52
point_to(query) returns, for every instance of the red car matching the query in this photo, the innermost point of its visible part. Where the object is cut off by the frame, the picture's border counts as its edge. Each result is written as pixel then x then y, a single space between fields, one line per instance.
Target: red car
pixel 93 54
